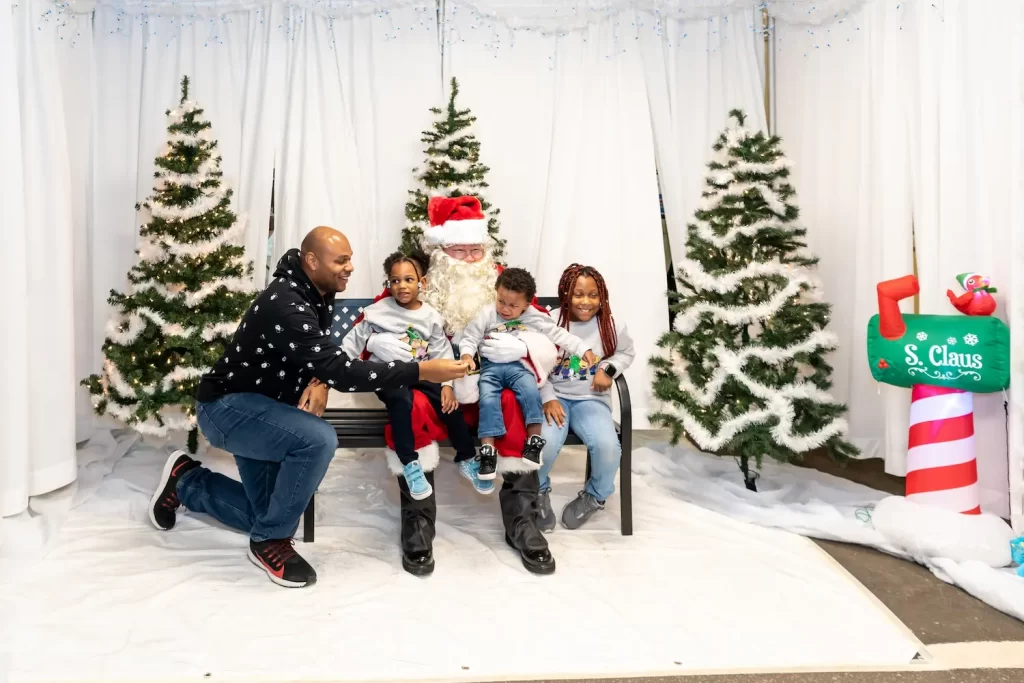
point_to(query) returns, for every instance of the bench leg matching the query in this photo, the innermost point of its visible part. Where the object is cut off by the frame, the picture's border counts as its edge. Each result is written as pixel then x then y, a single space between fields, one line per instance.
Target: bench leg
pixel 308 520
pixel 626 484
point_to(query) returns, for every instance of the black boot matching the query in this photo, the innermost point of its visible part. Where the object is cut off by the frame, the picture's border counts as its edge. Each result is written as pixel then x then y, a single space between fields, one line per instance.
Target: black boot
pixel 518 498
pixel 417 530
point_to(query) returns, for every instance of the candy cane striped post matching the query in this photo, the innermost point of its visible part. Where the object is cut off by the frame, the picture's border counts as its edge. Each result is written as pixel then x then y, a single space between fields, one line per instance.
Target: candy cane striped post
pixel 942 469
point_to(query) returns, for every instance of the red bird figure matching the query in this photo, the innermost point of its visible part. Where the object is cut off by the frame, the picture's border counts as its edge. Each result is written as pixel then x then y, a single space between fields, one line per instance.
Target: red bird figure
pixel 977 299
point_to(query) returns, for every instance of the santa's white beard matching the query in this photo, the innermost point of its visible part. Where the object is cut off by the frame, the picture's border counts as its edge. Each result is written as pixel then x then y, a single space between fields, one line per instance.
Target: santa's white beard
pixel 459 290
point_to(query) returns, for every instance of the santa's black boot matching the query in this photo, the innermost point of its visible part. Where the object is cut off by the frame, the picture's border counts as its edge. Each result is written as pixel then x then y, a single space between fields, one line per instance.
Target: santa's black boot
pixel 418 530
pixel 518 498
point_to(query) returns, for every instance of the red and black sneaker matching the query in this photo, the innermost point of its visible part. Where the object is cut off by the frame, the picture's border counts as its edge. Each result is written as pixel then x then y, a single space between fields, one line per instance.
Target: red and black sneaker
pixel 164 502
pixel 283 565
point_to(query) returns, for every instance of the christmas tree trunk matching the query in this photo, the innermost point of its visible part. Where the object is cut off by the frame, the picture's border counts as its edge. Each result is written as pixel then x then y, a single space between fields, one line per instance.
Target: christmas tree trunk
pixel 186 294
pixel 452 168
pixel 743 372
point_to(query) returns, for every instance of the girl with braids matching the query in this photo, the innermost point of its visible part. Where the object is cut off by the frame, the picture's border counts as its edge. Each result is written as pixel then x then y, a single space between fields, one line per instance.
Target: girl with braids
pixel 576 395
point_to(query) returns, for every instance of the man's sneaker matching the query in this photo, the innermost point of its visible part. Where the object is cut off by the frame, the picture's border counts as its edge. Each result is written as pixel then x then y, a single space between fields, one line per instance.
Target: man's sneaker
pixel 488 463
pixel 545 515
pixel 579 510
pixel 532 450
pixel 164 503
pixel 283 565
pixel 470 469
pixel 419 487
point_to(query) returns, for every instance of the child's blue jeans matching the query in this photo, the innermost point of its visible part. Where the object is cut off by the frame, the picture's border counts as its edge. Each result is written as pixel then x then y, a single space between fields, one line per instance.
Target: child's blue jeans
pixel 497 376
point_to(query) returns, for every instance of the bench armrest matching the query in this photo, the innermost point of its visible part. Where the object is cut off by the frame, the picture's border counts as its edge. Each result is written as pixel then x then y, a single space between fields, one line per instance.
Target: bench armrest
pixel 625 407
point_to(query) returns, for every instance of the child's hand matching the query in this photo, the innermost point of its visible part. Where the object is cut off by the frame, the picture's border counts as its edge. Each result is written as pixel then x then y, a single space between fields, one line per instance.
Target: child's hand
pixel 468 359
pixel 554 412
pixel 590 357
pixel 448 402
pixel 602 382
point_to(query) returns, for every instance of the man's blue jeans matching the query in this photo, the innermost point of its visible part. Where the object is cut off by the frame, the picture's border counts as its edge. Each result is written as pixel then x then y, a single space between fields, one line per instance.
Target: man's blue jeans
pixel 591 421
pixel 497 376
pixel 282 455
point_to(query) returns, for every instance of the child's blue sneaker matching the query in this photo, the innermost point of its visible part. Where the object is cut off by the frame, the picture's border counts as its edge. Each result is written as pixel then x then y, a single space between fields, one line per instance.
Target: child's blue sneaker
pixel 419 487
pixel 470 469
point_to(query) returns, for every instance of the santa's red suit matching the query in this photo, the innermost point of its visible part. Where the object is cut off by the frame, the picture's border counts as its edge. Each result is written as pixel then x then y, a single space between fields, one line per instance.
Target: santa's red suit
pixel 459 221
pixel 429 429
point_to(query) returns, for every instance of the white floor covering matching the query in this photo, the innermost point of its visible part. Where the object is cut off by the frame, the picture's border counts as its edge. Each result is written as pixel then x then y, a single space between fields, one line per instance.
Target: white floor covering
pixel 90 591
pixel 812 504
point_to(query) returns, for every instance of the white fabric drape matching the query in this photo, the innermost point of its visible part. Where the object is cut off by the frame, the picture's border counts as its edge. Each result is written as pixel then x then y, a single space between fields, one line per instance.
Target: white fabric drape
pixel 696 72
pixel 357 92
pixel 905 121
pixel 564 124
pixel 37 382
pixel 964 79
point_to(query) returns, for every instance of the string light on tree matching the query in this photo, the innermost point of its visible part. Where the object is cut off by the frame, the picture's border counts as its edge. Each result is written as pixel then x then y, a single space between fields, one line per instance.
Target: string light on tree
pixel 186 293
pixel 743 372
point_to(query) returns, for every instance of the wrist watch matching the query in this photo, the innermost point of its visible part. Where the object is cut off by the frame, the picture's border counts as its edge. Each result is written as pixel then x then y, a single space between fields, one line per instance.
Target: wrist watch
pixel 610 370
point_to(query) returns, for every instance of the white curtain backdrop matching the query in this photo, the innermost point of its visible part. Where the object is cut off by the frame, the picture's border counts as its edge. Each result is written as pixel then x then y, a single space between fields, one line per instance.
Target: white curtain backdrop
pixel 696 72
pixel 565 125
pixel 37 348
pixel 905 121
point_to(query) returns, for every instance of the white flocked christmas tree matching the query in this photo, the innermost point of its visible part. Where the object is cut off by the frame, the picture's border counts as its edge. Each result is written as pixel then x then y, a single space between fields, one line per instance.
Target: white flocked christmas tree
pixel 187 292
pixel 744 371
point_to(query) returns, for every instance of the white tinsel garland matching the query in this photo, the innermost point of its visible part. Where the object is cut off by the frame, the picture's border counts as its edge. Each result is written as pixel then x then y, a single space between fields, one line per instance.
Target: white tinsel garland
pixel 231 236
pixel 150 425
pixel 226 330
pixel 779 406
pixel 727 282
pixel 189 139
pixel 205 204
pixel 730 364
pixel 686 321
pixel 707 232
pixel 116 380
pixel 771 198
pixel 192 299
pixel 201 175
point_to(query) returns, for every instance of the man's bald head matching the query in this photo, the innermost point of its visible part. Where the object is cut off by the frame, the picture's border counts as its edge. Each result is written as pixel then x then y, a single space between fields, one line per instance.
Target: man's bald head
pixel 326 257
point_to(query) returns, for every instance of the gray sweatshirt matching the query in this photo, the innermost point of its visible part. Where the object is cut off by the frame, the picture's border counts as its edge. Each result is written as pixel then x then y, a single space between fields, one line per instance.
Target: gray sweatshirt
pixel 571 380
pixel 427 335
pixel 488 322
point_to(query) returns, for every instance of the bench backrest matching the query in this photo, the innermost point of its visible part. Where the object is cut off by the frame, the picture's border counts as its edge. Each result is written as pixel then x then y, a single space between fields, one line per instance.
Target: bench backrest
pixel 347 310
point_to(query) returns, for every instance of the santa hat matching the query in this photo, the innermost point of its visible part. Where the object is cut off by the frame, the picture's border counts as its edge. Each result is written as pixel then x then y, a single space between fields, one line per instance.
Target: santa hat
pixel 455 220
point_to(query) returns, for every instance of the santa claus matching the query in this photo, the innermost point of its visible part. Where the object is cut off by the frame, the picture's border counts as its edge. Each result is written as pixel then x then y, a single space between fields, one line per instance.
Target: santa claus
pixel 461 277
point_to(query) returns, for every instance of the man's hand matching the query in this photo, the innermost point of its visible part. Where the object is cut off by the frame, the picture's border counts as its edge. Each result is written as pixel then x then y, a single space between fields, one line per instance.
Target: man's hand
pixel 554 412
pixel 503 348
pixel 388 347
pixel 314 398
pixel 448 402
pixel 602 382
pixel 470 363
pixel 441 370
pixel 590 358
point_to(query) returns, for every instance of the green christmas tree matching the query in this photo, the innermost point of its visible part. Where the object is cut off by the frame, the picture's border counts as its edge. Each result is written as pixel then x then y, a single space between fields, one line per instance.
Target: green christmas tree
pixel 744 371
pixel 186 294
pixel 452 168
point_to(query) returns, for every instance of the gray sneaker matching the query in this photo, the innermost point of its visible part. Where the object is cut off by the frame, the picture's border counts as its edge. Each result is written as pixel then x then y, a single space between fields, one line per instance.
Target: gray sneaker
pixel 545 515
pixel 579 510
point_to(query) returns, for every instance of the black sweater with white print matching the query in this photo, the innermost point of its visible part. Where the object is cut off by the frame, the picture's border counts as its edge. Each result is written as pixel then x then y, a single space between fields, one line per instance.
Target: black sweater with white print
pixel 284 340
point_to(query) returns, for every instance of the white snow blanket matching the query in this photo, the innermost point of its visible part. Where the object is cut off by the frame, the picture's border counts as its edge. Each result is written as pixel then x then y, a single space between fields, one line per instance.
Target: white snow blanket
pixel 100 595
pixel 819 505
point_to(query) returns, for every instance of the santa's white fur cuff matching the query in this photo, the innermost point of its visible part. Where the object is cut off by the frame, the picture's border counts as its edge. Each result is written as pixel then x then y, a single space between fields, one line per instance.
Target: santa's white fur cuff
pixel 430 456
pixel 471 231
pixel 515 465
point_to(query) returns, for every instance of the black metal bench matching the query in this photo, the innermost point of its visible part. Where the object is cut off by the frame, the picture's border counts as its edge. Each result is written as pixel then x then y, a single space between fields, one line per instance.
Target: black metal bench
pixel 364 428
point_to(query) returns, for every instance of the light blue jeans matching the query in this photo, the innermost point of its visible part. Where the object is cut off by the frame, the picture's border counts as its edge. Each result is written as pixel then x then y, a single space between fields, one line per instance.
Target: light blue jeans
pixel 591 421
pixel 497 376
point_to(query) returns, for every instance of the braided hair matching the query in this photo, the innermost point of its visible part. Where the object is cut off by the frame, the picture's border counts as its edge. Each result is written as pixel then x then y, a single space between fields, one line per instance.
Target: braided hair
pixel 605 321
